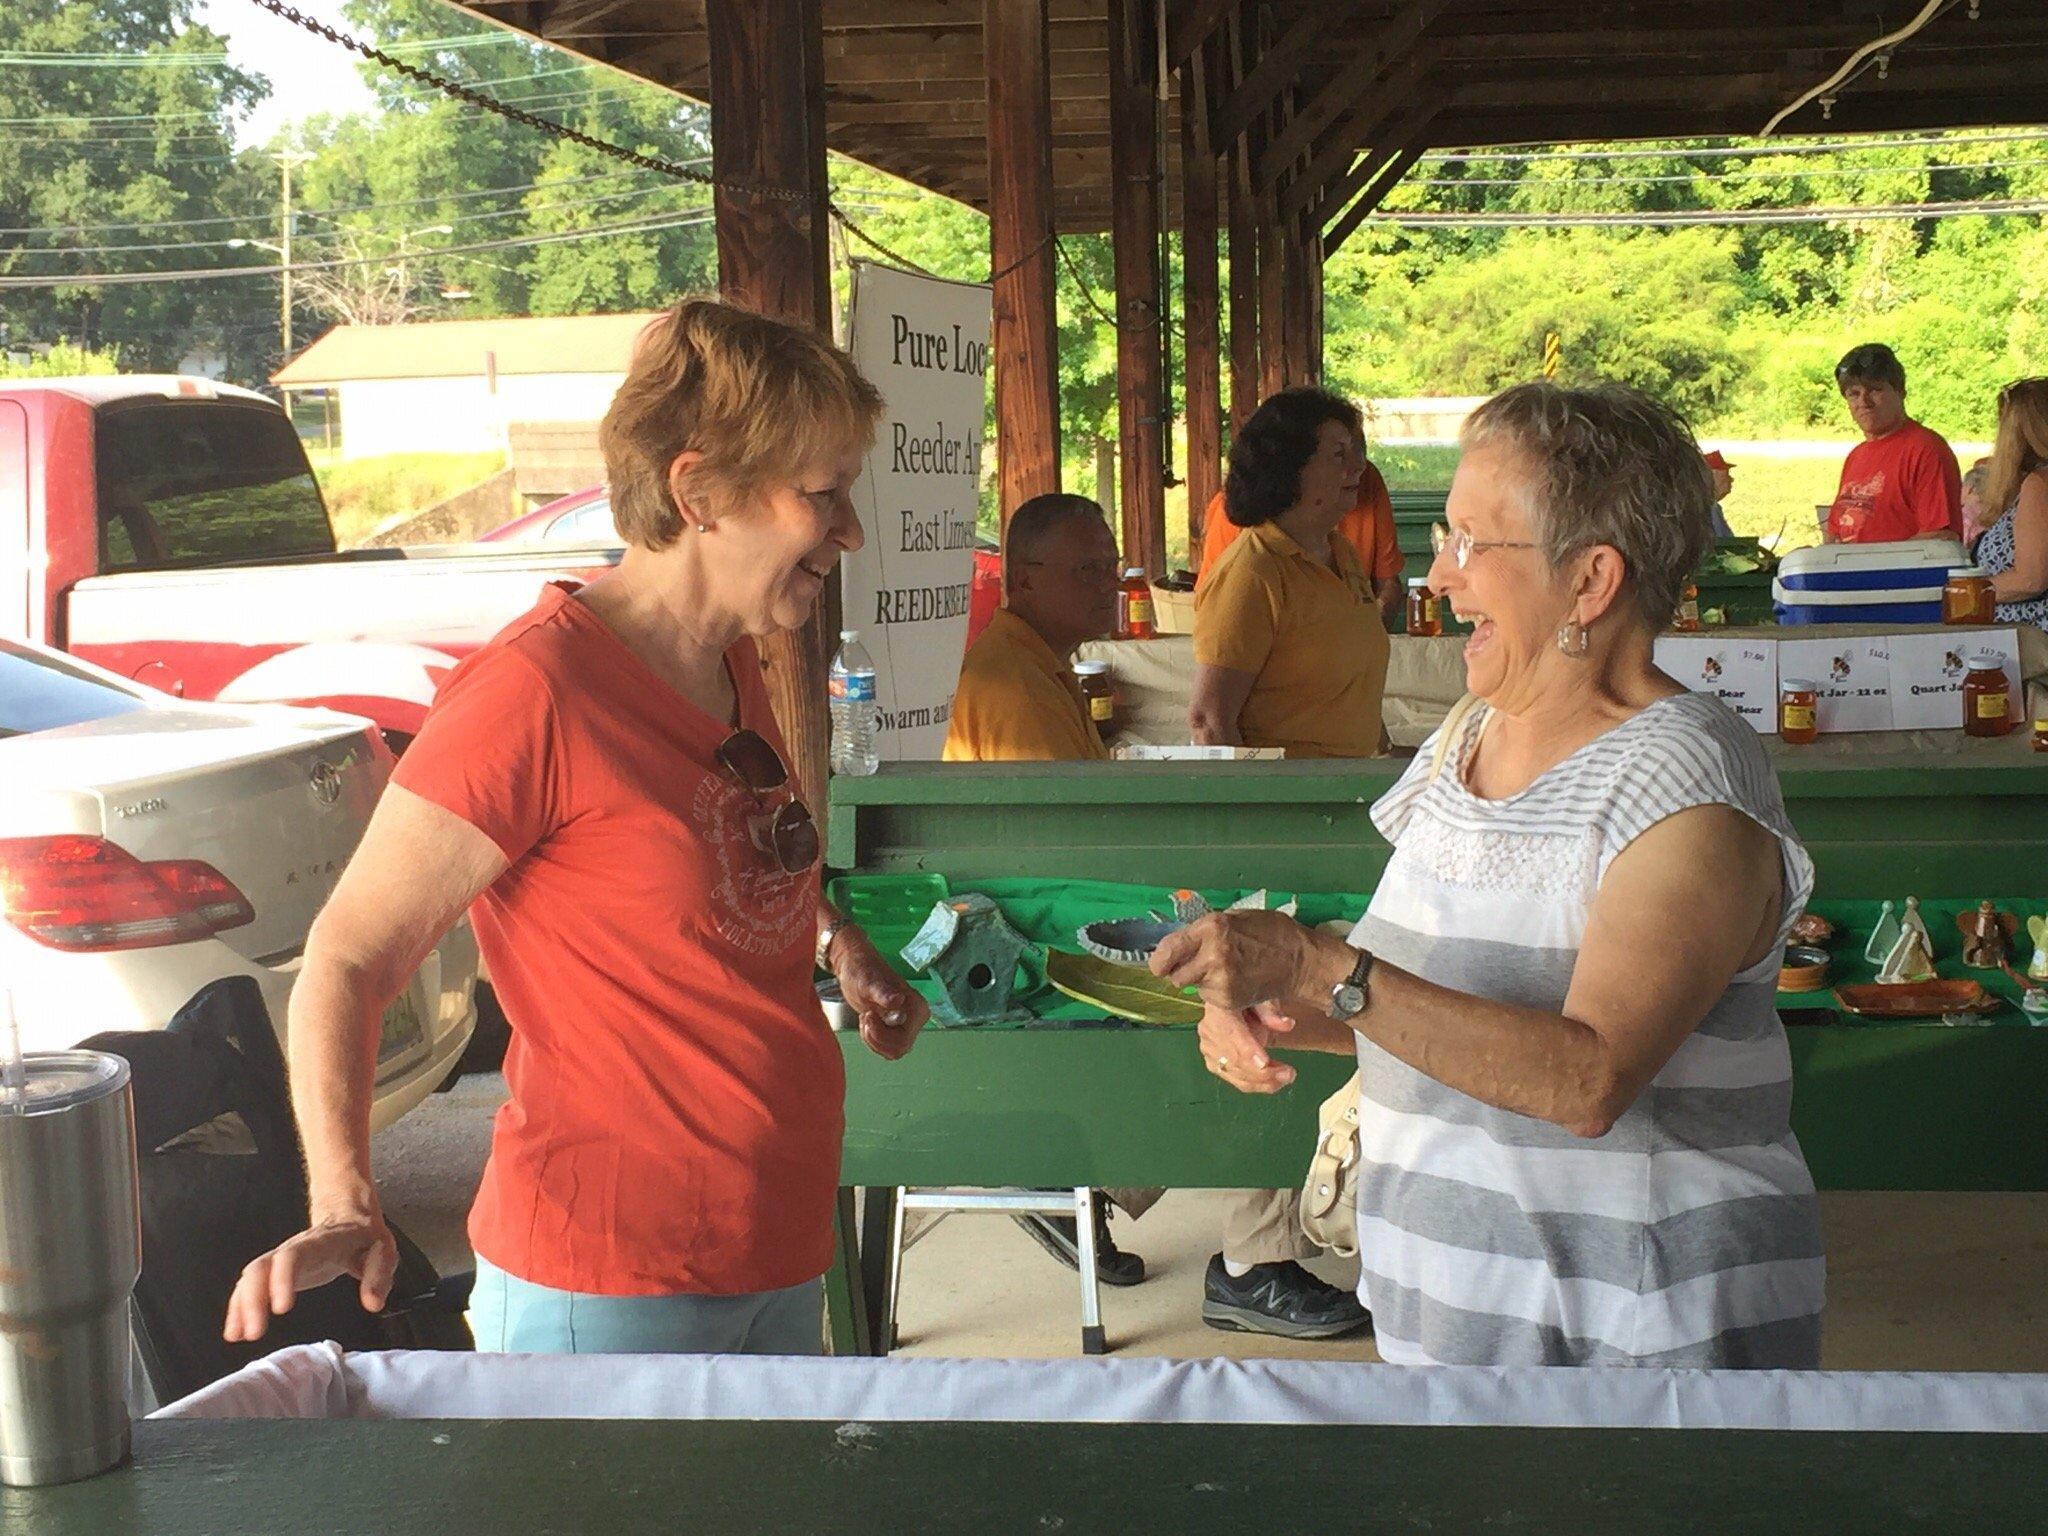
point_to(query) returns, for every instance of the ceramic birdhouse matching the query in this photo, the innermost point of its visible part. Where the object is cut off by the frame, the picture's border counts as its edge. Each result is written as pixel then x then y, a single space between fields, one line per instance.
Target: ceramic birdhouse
pixel 970 949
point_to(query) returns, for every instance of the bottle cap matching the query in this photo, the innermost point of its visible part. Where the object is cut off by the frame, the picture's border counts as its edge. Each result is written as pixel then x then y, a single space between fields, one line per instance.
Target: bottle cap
pixel 1418 581
pixel 849 634
pixel 1091 668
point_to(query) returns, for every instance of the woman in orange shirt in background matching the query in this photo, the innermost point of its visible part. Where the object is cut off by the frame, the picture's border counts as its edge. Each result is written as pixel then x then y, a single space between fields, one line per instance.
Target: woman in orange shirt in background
pixel 1368 528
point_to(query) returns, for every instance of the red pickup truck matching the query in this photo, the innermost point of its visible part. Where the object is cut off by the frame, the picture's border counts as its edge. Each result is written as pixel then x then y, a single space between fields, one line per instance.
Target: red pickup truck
pixel 170 529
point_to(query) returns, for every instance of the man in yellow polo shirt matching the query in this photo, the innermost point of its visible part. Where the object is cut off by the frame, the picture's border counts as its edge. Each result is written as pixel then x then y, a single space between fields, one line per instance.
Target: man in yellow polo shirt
pixel 1018 700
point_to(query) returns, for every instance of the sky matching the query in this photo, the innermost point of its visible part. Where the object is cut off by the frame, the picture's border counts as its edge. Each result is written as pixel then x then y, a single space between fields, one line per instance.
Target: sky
pixel 307 74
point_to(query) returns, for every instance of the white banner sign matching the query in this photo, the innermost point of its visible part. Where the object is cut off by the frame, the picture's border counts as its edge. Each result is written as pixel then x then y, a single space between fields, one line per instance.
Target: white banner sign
pixel 1743 674
pixel 923 342
pixel 1852 680
pixel 1927 675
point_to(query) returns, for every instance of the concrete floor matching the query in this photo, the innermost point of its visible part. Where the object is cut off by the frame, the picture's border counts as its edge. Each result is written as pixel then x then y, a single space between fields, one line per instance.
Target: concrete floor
pixel 1915 1281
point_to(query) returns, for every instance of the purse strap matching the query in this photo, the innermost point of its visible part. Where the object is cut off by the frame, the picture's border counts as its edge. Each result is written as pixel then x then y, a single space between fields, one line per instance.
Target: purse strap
pixel 1449 731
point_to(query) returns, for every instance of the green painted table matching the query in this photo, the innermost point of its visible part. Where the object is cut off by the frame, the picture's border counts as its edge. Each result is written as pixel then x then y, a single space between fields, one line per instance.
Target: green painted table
pixel 1875 1106
pixel 627 1477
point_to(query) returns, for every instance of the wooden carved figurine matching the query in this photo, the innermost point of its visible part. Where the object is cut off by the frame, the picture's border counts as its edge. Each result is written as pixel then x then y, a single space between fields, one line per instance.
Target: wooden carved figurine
pixel 1987 936
pixel 1908 961
pixel 1883 936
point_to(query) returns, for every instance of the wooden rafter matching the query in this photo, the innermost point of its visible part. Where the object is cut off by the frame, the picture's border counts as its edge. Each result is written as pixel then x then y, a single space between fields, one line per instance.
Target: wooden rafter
pixel 1405 128
pixel 1279 67
pixel 1359 127
pixel 1358 70
pixel 1375 193
pixel 1189 24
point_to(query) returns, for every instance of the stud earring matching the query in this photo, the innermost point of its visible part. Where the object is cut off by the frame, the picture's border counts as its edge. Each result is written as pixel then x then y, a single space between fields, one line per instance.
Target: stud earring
pixel 1573 638
pixel 705 527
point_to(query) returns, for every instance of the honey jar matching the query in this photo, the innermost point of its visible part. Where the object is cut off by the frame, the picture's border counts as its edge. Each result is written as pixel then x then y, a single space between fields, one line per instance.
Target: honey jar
pixel 1987 696
pixel 2041 733
pixel 1425 610
pixel 1687 619
pixel 1967 598
pixel 1134 606
pixel 1798 706
pixel 1093 677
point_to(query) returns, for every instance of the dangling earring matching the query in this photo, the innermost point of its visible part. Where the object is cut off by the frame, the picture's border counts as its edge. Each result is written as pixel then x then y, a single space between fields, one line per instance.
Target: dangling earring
pixel 1573 638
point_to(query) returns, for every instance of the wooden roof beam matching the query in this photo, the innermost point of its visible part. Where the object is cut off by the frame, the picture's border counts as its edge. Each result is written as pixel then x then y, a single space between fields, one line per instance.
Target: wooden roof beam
pixel 1396 165
pixel 1389 96
pixel 1279 66
pixel 1402 131
pixel 1357 71
pixel 1188 25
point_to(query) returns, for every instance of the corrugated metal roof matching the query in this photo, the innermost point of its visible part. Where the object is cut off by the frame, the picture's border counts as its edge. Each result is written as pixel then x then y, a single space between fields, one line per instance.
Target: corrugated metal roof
pixel 442 349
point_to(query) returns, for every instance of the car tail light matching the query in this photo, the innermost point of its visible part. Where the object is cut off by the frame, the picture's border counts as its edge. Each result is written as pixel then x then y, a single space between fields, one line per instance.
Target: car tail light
pixel 78 892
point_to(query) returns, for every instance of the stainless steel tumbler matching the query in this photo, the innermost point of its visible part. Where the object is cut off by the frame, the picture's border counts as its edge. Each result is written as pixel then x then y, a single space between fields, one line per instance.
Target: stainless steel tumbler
pixel 70 1253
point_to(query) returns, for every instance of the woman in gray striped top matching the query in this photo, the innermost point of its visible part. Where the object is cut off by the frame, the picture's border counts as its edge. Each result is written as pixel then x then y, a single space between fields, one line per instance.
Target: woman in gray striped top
pixel 1575 1105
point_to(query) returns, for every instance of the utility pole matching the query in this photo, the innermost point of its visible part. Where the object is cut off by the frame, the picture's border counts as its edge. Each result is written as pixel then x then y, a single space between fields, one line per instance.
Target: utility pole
pixel 286 160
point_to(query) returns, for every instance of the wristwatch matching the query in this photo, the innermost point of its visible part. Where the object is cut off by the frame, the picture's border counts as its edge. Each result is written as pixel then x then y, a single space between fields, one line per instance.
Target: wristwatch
pixel 1347 998
pixel 823 954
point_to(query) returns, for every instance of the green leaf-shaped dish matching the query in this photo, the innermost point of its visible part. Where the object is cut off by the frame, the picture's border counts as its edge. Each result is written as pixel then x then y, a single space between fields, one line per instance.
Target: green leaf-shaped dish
pixel 1128 991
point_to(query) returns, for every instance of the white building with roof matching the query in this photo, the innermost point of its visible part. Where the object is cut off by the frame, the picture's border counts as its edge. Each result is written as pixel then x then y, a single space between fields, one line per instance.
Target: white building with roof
pixel 458 386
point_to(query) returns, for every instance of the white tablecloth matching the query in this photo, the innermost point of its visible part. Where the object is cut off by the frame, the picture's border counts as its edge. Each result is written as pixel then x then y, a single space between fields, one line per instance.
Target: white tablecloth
pixel 320 1381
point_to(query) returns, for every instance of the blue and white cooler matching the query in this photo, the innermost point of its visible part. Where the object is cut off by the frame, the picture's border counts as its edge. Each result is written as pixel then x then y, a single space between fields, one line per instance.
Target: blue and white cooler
pixel 1895 583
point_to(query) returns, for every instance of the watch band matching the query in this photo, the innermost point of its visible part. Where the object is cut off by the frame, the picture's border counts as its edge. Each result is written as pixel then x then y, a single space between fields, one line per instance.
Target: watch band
pixel 1348 998
pixel 821 957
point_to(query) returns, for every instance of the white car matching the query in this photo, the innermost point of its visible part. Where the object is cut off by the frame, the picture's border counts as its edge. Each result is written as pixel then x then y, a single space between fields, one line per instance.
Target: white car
pixel 150 846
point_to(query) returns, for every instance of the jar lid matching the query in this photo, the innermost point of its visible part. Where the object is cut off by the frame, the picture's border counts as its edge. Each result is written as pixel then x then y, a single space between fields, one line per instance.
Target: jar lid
pixel 60 1080
pixel 1968 571
pixel 1418 581
pixel 1133 570
pixel 1986 661
pixel 1798 685
pixel 1091 668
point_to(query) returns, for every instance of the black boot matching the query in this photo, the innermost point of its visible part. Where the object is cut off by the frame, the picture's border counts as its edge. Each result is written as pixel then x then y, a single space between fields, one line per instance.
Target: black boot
pixel 1058 1236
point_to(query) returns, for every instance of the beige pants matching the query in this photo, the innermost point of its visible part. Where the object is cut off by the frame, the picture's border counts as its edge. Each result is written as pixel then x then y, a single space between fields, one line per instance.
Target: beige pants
pixel 1263 1226
pixel 1260 1226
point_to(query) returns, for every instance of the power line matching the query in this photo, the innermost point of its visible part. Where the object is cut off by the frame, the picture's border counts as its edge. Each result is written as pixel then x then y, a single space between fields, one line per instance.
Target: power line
pixel 1542 152
pixel 1717 177
pixel 203 274
pixel 1421 219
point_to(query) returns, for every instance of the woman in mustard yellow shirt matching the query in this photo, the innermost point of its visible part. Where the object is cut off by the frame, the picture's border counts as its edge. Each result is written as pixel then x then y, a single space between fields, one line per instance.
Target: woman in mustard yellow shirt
pixel 1290 649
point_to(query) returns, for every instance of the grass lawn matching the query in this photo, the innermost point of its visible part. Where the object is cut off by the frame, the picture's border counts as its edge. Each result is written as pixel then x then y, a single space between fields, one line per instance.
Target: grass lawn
pixel 364 495
pixel 1773 499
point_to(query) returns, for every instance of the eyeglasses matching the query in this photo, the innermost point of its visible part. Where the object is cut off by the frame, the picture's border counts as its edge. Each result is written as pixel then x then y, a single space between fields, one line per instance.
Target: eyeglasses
pixel 1463 546
pixel 787 833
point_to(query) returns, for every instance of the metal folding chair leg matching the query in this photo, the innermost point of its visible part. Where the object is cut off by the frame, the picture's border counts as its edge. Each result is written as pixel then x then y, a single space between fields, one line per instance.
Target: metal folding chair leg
pixel 895 1268
pixel 1091 1284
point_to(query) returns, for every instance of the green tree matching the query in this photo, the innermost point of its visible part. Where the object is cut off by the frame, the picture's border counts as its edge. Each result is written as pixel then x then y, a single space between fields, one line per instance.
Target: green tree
pixel 107 151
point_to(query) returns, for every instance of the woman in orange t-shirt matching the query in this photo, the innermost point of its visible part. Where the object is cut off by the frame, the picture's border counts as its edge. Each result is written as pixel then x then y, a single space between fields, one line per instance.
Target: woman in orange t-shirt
pixel 603 786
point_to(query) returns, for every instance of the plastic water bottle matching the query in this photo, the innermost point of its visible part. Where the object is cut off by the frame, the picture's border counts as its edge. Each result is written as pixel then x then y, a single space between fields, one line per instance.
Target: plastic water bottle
pixel 853 707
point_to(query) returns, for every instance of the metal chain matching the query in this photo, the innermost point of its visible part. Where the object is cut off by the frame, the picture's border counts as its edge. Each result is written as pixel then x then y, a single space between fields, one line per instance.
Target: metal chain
pixel 901 260
pixel 477 98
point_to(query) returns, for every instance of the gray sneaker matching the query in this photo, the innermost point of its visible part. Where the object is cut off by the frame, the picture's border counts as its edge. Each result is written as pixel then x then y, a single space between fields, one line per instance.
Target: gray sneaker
pixel 1282 1299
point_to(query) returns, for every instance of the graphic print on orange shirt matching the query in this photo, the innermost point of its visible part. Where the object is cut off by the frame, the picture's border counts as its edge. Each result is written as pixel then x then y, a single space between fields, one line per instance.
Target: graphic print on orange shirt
pixel 754 905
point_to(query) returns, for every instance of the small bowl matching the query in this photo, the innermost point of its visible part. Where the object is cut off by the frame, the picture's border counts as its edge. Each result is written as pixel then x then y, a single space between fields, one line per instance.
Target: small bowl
pixel 1126 940
pixel 1805 969
pixel 1813 930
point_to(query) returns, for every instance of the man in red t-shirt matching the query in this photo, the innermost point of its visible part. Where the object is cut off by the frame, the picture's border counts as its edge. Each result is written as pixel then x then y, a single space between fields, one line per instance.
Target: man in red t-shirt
pixel 1902 481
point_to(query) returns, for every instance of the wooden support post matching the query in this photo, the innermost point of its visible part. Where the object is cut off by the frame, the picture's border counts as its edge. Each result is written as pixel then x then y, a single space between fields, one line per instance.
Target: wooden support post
pixel 1024 324
pixel 1199 298
pixel 1135 195
pixel 1313 262
pixel 1246 379
pixel 768 132
pixel 1275 366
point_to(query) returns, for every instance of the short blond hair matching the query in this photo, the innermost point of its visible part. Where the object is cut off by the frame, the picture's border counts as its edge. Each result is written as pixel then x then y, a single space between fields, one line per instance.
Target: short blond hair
pixel 759 398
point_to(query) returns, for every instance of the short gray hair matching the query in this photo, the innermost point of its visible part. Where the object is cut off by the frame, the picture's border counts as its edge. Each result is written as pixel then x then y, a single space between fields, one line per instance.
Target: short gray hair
pixel 1614 467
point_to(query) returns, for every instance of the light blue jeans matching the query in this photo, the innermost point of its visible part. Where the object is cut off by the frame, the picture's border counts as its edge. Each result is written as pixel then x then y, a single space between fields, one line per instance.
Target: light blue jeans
pixel 518 1317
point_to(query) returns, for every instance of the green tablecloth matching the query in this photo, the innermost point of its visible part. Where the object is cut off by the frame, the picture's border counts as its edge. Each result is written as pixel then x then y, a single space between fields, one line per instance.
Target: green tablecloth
pixel 1050 911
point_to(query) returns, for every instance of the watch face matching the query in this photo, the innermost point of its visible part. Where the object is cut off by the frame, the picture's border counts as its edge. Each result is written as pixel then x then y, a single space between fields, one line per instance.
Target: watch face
pixel 1347 1001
